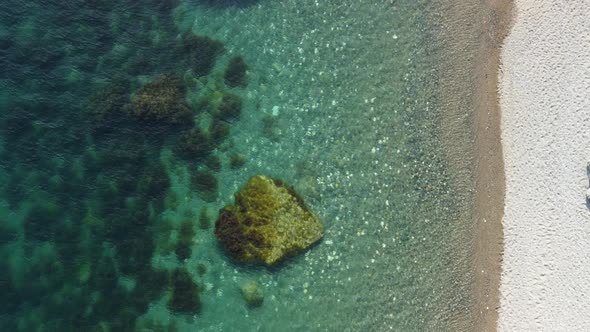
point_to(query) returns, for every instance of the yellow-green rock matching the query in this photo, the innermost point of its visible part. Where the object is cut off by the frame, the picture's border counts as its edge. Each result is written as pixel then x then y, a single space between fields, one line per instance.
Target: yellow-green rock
pixel 267 222
pixel 252 293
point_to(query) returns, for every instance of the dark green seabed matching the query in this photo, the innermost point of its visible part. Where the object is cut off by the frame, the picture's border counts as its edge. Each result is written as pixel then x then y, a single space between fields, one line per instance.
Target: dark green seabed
pixel 126 125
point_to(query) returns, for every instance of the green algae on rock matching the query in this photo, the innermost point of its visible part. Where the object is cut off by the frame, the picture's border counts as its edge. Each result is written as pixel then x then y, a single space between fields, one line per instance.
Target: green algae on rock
pixel 267 222
pixel 252 293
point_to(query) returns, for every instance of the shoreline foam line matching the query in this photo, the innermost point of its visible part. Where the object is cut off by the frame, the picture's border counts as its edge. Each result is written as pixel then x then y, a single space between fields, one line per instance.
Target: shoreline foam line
pixel 545 103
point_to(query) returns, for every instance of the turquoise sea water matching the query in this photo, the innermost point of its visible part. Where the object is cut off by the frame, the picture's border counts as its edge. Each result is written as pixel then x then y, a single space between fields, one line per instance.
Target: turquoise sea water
pixel 339 100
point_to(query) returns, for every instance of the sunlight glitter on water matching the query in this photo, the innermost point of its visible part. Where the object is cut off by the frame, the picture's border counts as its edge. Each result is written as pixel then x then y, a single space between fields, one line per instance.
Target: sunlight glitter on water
pixel 339 102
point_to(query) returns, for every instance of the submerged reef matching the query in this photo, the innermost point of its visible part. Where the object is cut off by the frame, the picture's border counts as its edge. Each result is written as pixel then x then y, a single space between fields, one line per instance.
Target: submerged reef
pixel 235 72
pixel 218 131
pixel 186 233
pixel 185 297
pixel 230 108
pixel 267 222
pixel 236 161
pixel 204 220
pixel 83 161
pixel 213 163
pixel 228 3
pixel 161 100
pixel 194 145
pixel 108 102
pixel 202 52
pixel 206 184
pixel 40 222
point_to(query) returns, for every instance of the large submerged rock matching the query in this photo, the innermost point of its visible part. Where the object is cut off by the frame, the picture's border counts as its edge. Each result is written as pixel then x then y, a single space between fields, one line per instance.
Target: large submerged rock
pixel 267 222
pixel 161 100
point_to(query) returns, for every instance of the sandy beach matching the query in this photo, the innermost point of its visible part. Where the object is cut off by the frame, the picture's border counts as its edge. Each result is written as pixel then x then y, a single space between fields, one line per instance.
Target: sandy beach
pixel 545 105
pixel 471 35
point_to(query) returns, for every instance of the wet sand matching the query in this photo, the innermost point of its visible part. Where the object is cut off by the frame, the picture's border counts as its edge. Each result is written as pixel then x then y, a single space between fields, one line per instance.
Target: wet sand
pixel 470 39
pixel 489 167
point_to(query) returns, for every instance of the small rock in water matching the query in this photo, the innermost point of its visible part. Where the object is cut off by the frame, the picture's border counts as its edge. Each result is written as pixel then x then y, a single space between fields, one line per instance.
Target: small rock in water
pixel 252 293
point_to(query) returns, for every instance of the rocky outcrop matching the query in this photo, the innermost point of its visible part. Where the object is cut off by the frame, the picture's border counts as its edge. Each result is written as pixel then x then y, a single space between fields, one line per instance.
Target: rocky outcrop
pixel 267 222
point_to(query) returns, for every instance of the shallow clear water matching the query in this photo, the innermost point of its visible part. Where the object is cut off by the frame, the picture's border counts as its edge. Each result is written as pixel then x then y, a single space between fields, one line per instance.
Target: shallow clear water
pixel 339 101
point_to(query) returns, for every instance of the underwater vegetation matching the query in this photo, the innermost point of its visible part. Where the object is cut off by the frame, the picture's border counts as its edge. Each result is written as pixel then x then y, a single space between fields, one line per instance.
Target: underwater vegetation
pixel 213 163
pixel 228 3
pixel 7 233
pixel 83 164
pixel 202 52
pixel 77 266
pixel 236 161
pixel 201 269
pixel 39 224
pixel 206 185
pixel 161 100
pixel 235 72
pixel 219 131
pixel 185 297
pixel 204 219
pixel 194 145
pixel 185 241
pixel 154 182
pixel 267 222
pixel 106 104
pixel 230 108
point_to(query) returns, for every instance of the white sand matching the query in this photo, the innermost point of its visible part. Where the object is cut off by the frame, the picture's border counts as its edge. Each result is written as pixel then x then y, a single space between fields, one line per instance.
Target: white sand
pixel 545 103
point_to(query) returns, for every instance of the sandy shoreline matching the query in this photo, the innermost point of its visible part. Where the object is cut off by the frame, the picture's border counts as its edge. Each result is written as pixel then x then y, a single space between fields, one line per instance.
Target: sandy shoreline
pixel 544 88
pixel 489 166
pixel 471 36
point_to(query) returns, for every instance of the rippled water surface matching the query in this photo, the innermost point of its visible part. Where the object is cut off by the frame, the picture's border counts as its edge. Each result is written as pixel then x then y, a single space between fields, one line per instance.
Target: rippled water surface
pixel 98 198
